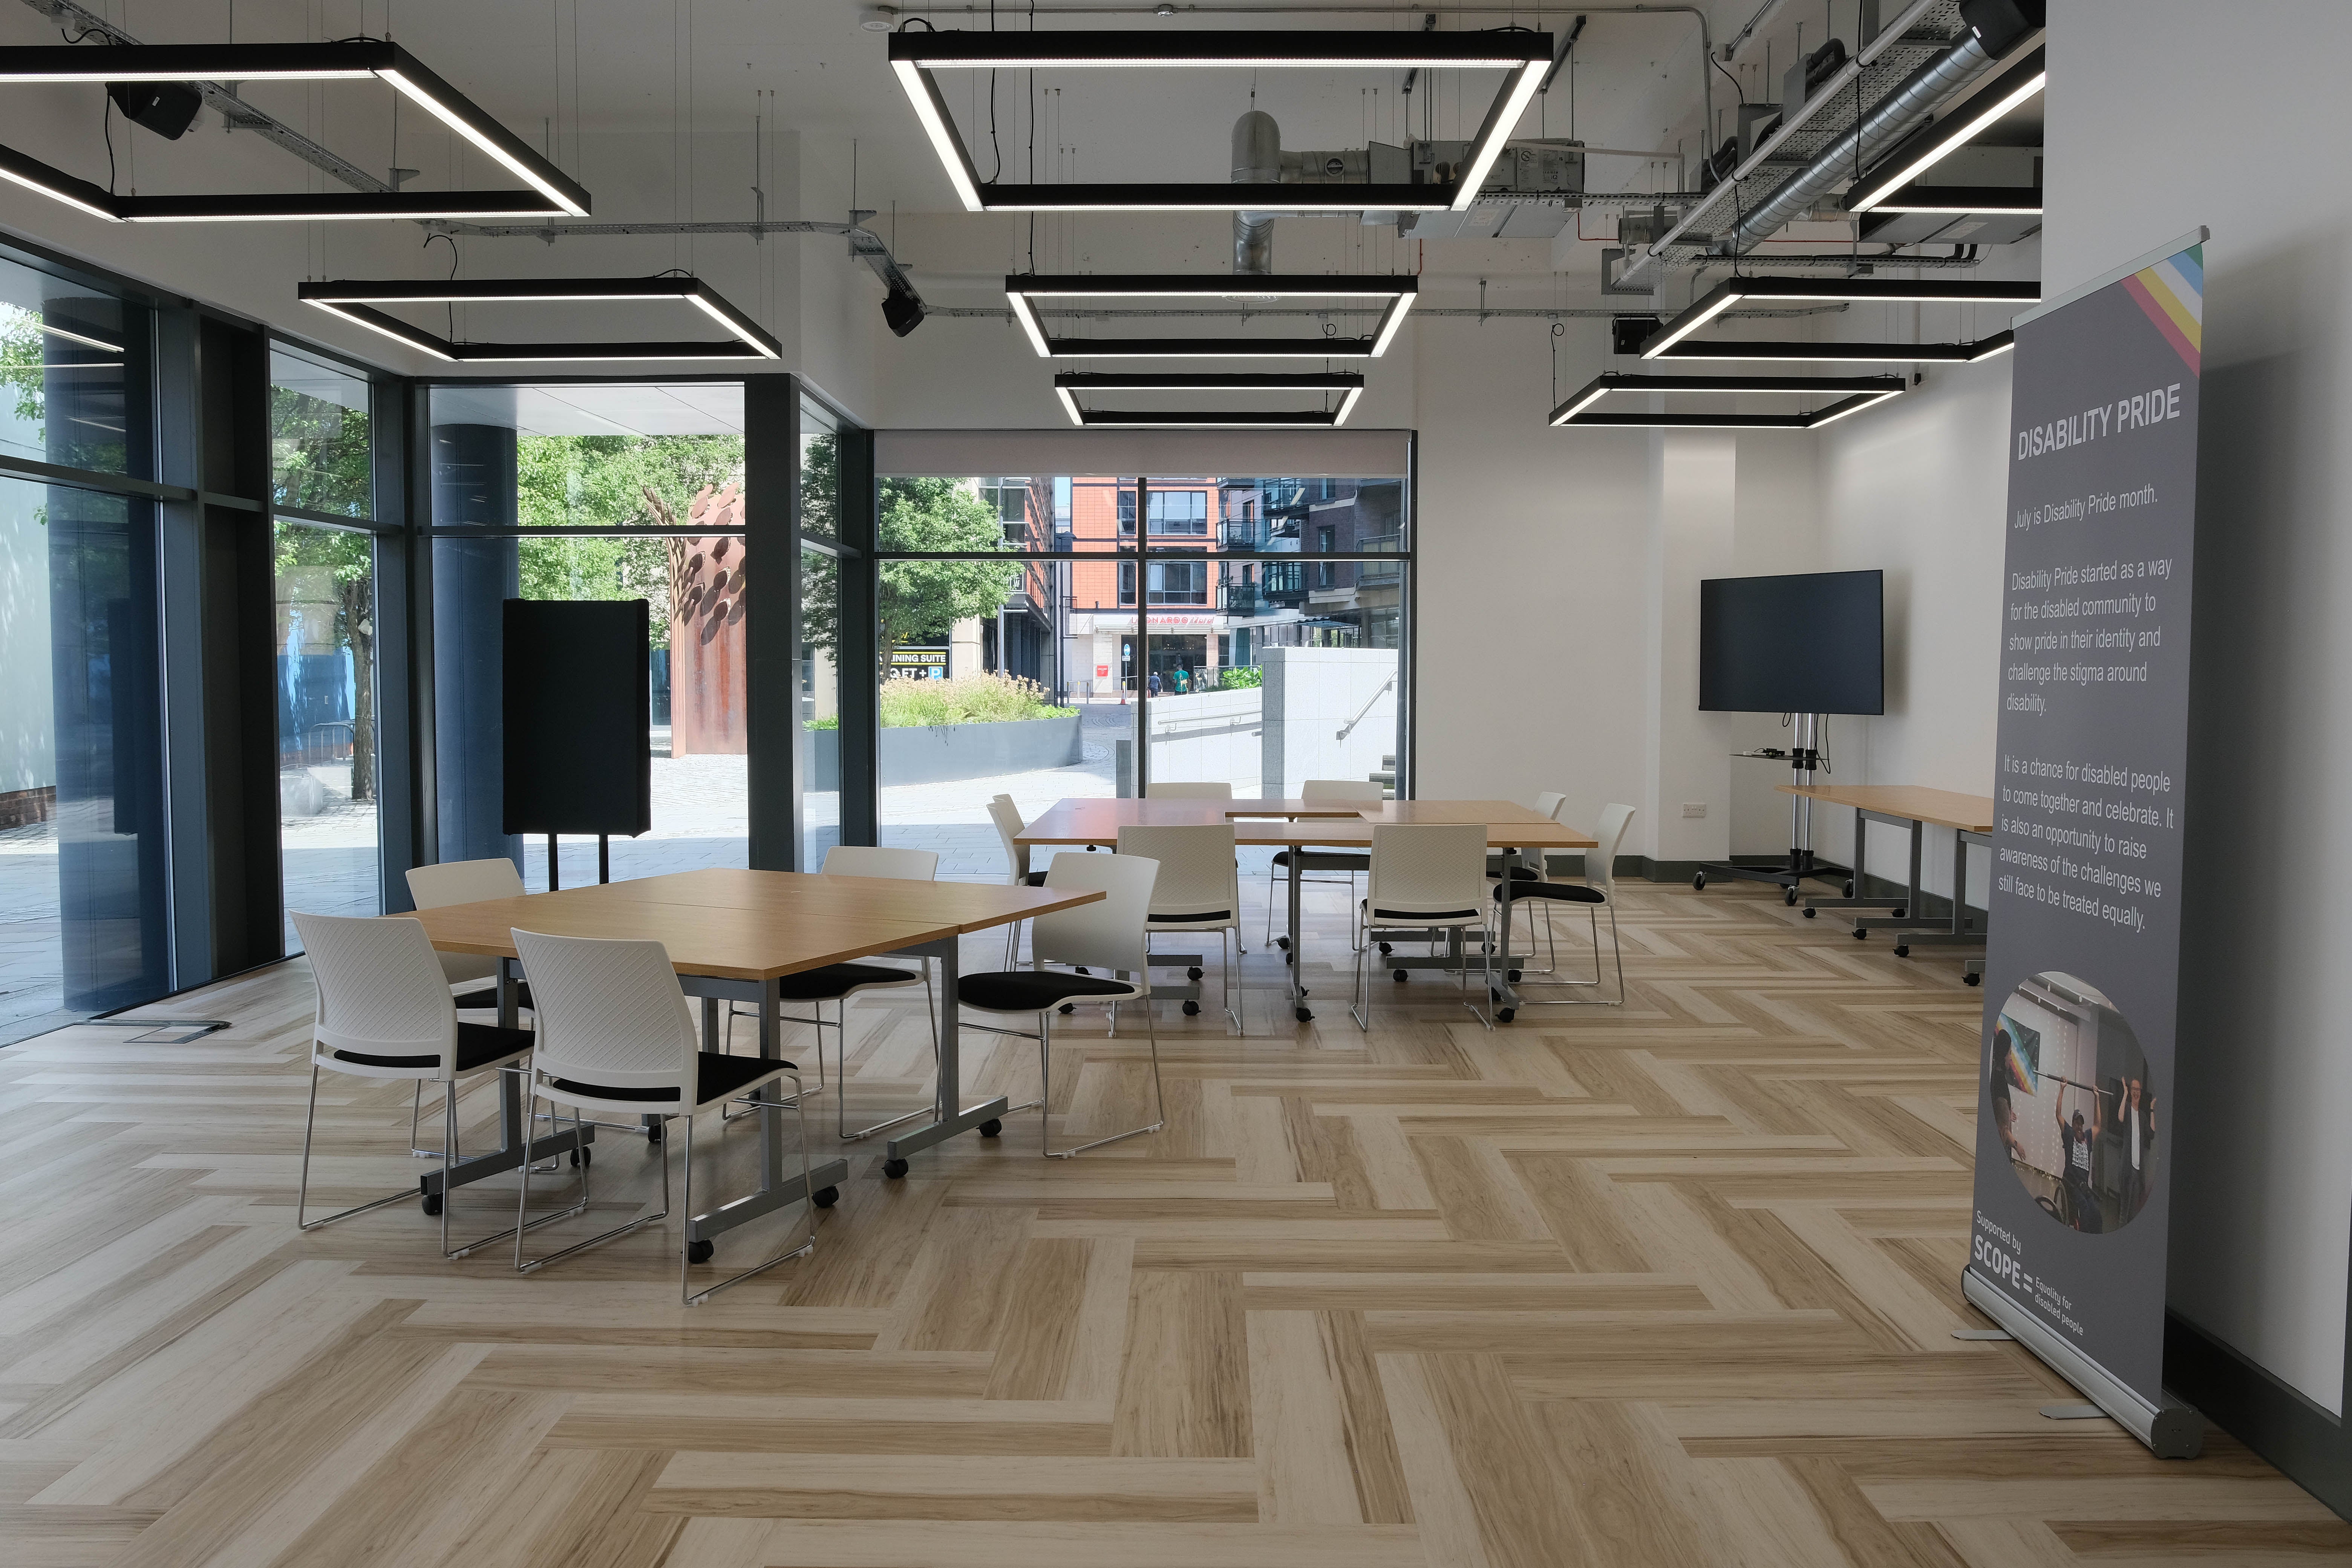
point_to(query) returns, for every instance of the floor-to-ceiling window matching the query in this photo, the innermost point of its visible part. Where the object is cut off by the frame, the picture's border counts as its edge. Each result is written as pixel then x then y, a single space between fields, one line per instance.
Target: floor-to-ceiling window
pixel 818 737
pixel 596 490
pixel 83 870
pixel 323 552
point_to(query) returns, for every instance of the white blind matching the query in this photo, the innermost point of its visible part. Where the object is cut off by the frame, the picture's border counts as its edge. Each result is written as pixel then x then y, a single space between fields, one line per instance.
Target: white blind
pixel 1292 454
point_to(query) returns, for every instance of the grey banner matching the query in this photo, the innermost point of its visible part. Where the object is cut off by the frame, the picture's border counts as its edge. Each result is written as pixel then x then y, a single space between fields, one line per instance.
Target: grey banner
pixel 2074 1104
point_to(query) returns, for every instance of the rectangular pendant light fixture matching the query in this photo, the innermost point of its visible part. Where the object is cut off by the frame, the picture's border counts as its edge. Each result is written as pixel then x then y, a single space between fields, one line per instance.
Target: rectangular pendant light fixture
pixel 1925 149
pixel 553 193
pixel 2013 200
pixel 1827 352
pixel 355 300
pixel 1524 57
pixel 1860 392
pixel 1069 385
pixel 1022 290
pixel 1787 291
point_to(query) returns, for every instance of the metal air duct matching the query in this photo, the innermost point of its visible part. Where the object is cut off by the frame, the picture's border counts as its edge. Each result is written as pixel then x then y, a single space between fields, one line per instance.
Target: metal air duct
pixel 1257 161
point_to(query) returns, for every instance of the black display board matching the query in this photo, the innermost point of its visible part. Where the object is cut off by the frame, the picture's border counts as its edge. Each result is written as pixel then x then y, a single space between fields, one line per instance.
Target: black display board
pixel 578 716
pixel 1811 642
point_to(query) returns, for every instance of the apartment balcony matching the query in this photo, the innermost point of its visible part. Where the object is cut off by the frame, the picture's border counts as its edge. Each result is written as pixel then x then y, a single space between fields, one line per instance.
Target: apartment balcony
pixel 1240 533
pixel 1240 599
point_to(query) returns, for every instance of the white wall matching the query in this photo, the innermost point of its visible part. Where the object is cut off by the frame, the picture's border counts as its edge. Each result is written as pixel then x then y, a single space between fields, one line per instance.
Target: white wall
pixel 2164 115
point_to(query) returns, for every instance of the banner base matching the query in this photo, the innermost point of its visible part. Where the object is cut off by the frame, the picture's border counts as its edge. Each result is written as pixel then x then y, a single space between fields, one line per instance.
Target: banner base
pixel 2171 1431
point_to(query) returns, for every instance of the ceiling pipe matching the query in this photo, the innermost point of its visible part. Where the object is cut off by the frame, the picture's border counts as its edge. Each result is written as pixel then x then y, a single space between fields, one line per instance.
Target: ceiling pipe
pixel 1257 161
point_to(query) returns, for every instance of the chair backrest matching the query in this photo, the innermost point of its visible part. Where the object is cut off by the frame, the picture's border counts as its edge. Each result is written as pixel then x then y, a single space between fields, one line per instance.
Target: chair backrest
pixel 1007 817
pixel 464 882
pixel 1198 879
pixel 1342 789
pixel 869 860
pixel 610 1013
pixel 1156 790
pixel 1550 802
pixel 1107 934
pixel 1428 870
pixel 380 988
pixel 1601 864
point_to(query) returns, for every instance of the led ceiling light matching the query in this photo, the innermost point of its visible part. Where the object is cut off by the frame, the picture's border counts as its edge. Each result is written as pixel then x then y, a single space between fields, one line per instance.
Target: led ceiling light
pixel 1860 392
pixel 1021 290
pixel 553 193
pixel 1836 353
pixel 1069 385
pixel 355 300
pixel 2020 200
pixel 1784 290
pixel 1929 147
pixel 1525 56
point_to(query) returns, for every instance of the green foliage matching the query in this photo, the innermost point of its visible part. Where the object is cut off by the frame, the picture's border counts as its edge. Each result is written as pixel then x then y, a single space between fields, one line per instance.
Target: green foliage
pixel 987 698
pixel 920 600
pixel 1241 678
pixel 600 481
pixel 24 349
pixel 319 454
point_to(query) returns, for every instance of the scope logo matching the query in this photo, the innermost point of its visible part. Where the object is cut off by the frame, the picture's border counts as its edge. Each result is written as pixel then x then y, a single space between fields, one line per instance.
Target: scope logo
pixel 2002 1266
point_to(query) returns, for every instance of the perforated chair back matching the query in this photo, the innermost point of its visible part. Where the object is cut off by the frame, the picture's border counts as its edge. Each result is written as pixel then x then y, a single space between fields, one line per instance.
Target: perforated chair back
pixel 611 1012
pixel 381 993
pixel 1550 802
pixel 1342 789
pixel 1197 880
pixel 1105 935
pixel 1431 870
pixel 1007 817
pixel 1157 790
pixel 869 860
pixel 1601 864
pixel 464 882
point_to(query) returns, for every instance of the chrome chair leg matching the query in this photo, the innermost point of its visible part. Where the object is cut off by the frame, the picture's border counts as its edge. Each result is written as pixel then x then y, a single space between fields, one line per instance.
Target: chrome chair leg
pixel 302 1186
pixel 1044 1104
pixel 522 1204
pixel 797 1103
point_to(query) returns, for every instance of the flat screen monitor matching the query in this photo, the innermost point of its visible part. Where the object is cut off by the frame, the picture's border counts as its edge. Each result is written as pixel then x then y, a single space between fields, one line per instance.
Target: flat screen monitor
pixel 1810 643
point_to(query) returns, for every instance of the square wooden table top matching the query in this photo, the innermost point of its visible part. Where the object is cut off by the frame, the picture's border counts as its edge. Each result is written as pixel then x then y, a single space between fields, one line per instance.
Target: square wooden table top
pixel 1944 807
pixel 1098 820
pixel 749 925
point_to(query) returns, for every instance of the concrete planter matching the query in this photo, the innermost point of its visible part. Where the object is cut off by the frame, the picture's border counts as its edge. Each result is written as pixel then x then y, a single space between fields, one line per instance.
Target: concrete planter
pixel 936 754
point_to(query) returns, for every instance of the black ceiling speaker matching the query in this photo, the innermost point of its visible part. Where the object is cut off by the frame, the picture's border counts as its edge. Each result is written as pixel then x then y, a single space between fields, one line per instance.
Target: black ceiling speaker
pixel 902 308
pixel 1628 333
pixel 167 108
pixel 1999 24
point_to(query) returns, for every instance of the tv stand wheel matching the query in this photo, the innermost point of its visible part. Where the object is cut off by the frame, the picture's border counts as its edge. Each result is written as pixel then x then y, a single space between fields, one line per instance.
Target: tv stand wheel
pixel 1849 887
pixel 1698 882
pixel 1789 896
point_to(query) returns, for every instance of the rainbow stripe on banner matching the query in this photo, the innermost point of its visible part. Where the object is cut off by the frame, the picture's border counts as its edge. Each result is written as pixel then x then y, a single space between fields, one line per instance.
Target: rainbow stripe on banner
pixel 2172 292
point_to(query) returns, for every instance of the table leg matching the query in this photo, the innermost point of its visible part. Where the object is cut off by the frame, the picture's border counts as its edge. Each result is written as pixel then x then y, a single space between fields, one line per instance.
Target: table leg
pixel 509 1153
pixel 777 1189
pixel 1858 900
pixel 1911 920
pixel 953 1116
pixel 1305 1013
pixel 1958 932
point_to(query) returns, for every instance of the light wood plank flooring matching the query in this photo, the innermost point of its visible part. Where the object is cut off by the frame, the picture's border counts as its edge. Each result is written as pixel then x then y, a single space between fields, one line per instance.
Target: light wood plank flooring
pixel 1670 1285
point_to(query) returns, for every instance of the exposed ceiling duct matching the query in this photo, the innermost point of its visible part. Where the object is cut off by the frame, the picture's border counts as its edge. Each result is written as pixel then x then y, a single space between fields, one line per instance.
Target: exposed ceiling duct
pixel 1257 161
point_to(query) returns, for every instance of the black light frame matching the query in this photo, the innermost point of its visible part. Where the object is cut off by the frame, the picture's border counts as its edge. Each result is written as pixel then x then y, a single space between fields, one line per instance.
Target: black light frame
pixel 914 55
pixel 1068 385
pixel 355 300
pixel 1021 289
pixel 1925 149
pixel 1933 290
pixel 554 194
pixel 2001 342
pixel 1862 392
pixel 2020 201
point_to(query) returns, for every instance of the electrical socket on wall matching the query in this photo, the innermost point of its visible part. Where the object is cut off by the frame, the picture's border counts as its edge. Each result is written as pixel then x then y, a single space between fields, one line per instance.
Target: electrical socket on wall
pixel 1693 808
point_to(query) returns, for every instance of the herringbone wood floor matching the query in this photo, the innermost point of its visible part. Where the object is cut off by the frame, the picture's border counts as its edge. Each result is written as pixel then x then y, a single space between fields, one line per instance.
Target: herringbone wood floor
pixel 1673 1284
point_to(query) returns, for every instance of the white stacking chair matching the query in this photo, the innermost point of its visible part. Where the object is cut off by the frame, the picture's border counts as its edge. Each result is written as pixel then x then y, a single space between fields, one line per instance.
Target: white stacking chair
pixel 1499 865
pixel 1156 790
pixel 463 882
pixel 1199 889
pixel 1007 818
pixel 615 1034
pixel 1352 861
pixel 384 1012
pixel 1424 880
pixel 1110 935
pixel 837 983
pixel 1597 890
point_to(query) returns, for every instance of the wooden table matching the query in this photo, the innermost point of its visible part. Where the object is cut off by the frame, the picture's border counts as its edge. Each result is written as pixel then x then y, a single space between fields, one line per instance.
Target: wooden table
pixel 1912 809
pixel 1297 825
pixel 733 936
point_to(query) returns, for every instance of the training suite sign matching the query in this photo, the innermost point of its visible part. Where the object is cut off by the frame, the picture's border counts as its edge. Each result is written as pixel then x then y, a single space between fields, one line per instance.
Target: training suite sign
pixel 2074 1126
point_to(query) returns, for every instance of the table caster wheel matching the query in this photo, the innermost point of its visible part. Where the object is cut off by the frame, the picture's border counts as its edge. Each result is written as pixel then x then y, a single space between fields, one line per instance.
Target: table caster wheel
pixel 432 1202
pixel 700 1251
pixel 1069 1007
pixel 1507 1014
pixel 1699 881
pixel 1512 975
pixel 1849 889
pixel 826 1197
pixel 1862 933
pixel 1810 913
pixel 1902 950
pixel 1304 1014
pixel 1286 955
pixel 1970 979
pixel 1789 896
pixel 1194 973
pixel 653 1133
pixel 1191 1009
pixel 991 1128
pixel 1902 914
pixel 1399 975
pixel 1282 941
pixel 582 1156
pixel 894 1169
pixel 1386 948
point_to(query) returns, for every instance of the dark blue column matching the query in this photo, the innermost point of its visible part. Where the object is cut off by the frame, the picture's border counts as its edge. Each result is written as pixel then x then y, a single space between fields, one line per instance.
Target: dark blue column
pixel 473 486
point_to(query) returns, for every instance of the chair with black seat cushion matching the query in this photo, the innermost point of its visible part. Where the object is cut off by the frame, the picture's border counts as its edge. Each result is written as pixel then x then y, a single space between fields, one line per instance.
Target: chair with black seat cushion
pixel 1515 865
pixel 384 1012
pixel 615 1034
pixel 1109 935
pixel 1199 889
pixel 1424 880
pixel 464 882
pixel 1597 891
pixel 1354 862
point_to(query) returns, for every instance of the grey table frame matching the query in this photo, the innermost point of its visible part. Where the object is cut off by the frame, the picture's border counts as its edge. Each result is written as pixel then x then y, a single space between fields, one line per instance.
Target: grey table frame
pixel 1910 927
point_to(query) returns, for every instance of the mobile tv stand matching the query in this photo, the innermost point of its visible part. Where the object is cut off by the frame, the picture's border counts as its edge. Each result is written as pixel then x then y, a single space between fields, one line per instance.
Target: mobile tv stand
pixel 1804 760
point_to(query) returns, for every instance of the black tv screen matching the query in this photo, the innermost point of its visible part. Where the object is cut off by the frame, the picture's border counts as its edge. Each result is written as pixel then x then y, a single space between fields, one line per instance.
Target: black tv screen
pixel 1810 643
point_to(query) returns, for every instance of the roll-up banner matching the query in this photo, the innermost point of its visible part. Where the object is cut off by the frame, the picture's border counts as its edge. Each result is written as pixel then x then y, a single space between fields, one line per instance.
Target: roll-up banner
pixel 2075 1106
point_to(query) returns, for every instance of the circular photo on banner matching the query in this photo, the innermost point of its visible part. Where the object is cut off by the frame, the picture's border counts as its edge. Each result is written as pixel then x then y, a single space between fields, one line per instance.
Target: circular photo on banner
pixel 2073 1103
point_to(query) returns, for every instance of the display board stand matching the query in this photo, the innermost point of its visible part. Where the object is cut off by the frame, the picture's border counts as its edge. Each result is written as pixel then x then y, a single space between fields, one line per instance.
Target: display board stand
pixel 1804 762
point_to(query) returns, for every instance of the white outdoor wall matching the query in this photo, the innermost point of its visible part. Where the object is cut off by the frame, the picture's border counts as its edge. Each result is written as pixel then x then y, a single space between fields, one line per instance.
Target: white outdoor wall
pixel 1209 736
pixel 1312 694
pixel 2164 115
